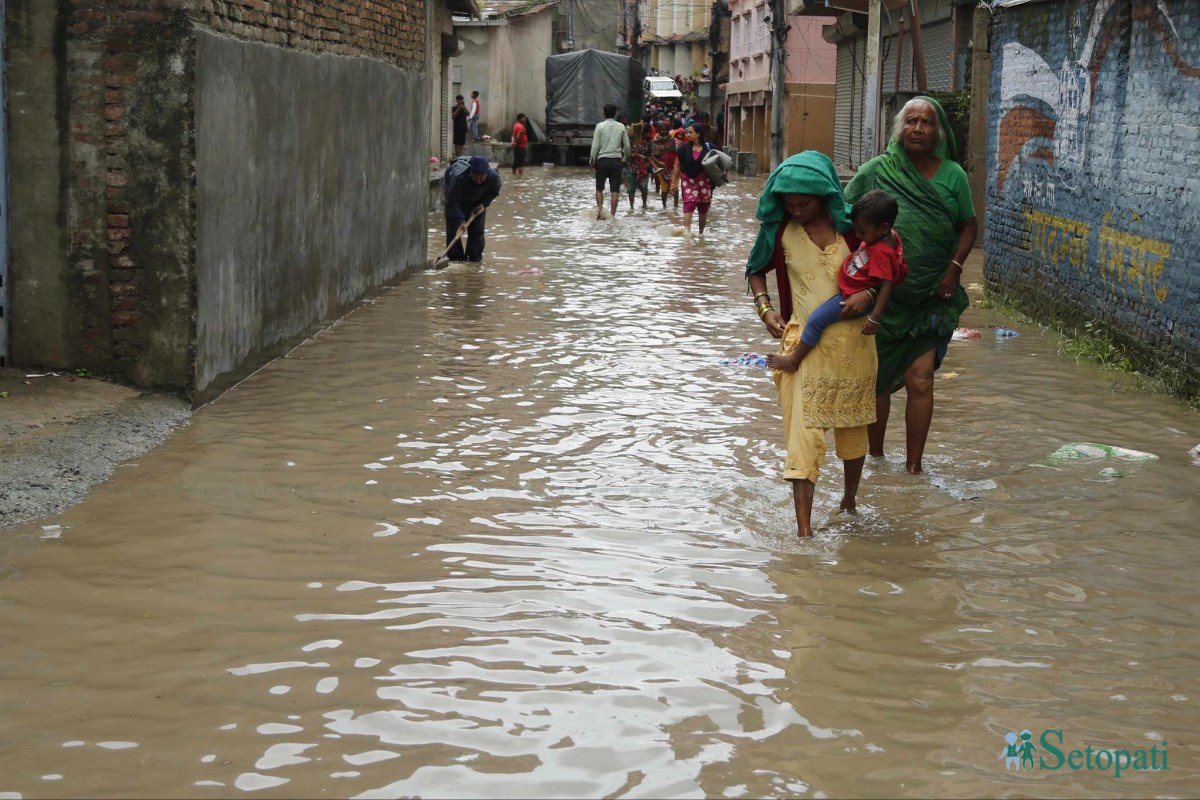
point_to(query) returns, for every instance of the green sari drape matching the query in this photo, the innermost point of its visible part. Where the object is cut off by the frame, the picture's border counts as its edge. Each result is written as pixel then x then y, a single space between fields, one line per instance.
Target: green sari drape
pixel 916 320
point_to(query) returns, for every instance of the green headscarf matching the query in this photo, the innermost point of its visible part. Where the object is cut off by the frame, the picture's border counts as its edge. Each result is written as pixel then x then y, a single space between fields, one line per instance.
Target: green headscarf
pixel 810 172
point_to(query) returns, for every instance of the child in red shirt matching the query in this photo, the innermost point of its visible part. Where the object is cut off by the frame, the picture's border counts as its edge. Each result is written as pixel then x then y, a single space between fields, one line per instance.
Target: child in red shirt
pixel 873 269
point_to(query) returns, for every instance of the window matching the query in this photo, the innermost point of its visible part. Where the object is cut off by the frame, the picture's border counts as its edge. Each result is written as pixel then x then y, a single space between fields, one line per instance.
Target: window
pixel 746 34
pixel 761 28
pixel 734 41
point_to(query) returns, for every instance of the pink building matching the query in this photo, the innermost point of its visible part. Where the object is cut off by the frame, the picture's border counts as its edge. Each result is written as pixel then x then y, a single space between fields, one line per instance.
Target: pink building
pixel 810 72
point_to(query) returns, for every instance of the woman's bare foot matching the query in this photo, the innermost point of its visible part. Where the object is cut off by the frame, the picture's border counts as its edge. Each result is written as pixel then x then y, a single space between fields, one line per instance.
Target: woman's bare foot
pixel 849 505
pixel 913 468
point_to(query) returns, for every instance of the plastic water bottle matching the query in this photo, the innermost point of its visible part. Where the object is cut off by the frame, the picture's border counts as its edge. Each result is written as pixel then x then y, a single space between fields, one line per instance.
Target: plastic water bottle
pixel 1006 333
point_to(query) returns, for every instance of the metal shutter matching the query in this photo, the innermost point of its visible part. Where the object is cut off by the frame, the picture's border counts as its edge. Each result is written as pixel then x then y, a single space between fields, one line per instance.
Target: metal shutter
pixel 938 41
pixel 848 112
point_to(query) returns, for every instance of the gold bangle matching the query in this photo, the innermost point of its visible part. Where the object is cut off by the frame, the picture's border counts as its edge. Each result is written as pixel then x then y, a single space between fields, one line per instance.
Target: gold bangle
pixel 873 321
pixel 763 294
pixel 763 309
pixel 870 292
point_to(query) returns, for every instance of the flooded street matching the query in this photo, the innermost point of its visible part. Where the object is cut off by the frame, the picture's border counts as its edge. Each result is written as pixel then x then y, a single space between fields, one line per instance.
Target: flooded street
pixel 514 530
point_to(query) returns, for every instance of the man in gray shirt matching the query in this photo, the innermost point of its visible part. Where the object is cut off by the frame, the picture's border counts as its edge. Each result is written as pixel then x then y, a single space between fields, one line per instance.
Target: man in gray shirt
pixel 610 151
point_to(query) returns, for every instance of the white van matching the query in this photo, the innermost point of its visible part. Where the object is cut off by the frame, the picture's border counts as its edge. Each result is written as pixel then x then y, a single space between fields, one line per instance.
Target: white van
pixel 662 89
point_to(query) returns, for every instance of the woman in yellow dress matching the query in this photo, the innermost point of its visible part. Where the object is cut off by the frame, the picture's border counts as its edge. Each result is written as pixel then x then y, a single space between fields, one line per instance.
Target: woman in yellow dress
pixel 804 220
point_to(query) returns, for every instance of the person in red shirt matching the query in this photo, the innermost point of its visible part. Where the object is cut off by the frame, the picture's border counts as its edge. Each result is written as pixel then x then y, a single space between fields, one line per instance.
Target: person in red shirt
pixel 662 162
pixel 866 277
pixel 520 145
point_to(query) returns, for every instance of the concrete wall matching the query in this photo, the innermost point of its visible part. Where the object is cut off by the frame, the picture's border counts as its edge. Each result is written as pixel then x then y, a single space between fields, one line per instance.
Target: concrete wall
pixel 518 72
pixel 101 200
pixel 106 216
pixel 596 24
pixel 1093 196
pixel 810 59
pixel 441 23
pixel 477 74
pixel 307 193
pixel 40 275
pixel 506 61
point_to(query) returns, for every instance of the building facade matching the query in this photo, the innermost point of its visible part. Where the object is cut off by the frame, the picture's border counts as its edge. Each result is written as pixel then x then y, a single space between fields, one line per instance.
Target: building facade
pixel 808 73
pixel 504 59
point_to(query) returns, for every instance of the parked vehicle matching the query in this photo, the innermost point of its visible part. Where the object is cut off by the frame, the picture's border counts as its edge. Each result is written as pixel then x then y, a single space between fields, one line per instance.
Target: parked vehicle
pixel 664 91
pixel 578 86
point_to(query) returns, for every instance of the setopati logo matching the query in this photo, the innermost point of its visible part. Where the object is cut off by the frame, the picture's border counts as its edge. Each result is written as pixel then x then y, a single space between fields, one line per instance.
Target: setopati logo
pixel 1050 754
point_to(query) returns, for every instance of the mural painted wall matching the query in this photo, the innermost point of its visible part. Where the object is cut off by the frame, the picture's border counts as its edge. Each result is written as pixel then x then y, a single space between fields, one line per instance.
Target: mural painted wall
pixel 1094 168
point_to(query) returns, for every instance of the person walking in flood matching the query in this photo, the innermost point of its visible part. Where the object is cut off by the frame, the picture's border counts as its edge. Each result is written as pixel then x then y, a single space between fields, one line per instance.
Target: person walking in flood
pixel 662 150
pixel 865 280
pixel 637 171
pixel 520 144
pixel 458 118
pixel 610 151
pixel 469 187
pixel 937 220
pixel 692 178
pixel 802 237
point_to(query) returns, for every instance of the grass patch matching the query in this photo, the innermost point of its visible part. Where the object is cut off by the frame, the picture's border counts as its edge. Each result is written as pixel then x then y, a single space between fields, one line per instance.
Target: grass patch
pixel 1091 342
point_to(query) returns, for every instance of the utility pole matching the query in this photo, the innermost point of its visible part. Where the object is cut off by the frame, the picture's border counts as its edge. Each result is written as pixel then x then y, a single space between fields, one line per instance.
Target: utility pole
pixel 871 95
pixel 714 50
pixel 779 32
pixel 918 50
pixel 570 43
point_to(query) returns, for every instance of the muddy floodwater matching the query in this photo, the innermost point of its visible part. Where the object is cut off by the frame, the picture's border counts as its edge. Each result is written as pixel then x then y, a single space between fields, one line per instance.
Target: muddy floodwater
pixel 515 530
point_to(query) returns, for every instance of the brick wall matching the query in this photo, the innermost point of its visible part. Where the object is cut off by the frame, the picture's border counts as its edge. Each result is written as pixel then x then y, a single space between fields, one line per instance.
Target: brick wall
pixel 1093 196
pixel 389 30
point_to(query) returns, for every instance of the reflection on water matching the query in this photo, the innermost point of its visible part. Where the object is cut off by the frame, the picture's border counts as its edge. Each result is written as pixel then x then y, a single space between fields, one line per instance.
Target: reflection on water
pixel 515 530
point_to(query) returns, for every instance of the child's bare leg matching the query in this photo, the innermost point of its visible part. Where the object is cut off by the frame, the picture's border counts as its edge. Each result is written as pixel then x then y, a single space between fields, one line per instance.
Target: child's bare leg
pixel 789 362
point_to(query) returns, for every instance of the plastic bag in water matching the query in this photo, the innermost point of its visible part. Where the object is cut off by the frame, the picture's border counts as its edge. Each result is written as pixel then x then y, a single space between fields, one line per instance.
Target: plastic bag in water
pixel 745 360
pixel 1074 451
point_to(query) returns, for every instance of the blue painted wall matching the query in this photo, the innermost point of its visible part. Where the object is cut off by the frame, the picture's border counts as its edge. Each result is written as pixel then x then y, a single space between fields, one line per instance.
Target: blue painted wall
pixel 1093 195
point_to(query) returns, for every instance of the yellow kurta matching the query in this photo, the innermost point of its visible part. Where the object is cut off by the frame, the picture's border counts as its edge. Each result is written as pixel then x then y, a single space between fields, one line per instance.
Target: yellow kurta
pixel 835 385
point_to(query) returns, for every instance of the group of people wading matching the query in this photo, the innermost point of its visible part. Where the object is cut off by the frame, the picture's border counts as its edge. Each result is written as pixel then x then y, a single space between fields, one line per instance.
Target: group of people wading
pixel 847 376
pixel 668 152
pixel 875 270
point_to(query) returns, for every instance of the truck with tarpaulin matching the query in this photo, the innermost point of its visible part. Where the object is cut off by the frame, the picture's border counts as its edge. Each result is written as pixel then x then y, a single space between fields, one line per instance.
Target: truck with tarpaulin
pixel 578 86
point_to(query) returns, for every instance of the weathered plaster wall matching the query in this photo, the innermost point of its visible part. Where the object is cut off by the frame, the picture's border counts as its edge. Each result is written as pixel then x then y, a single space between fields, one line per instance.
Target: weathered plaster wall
pixel 40 275
pixel 105 210
pixel 311 187
pixel 1094 169
pixel 519 52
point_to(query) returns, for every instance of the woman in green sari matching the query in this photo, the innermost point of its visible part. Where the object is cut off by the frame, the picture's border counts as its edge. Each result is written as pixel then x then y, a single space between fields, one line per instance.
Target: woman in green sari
pixel 937 222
